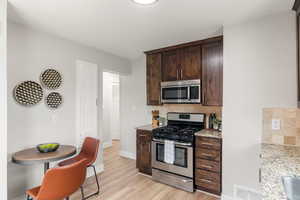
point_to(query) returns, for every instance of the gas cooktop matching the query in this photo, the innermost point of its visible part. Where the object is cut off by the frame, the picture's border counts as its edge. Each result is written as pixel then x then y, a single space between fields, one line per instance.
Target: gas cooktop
pixel 181 127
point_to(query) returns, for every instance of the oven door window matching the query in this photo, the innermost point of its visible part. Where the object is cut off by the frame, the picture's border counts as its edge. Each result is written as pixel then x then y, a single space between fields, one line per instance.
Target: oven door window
pixel 160 152
pixel 174 93
pixel 181 156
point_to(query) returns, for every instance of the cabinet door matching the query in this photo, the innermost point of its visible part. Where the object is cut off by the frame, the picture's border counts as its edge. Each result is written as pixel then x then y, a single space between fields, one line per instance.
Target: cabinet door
pixel 170 70
pixel 190 63
pixel 153 79
pixel 212 74
pixel 144 152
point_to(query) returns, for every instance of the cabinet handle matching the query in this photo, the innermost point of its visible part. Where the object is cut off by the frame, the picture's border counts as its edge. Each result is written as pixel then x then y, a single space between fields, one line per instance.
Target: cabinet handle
pixel 149 148
pixel 208 144
pixel 206 154
pixel 181 74
pixel 206 166
pixel 259 175
pixel 205 180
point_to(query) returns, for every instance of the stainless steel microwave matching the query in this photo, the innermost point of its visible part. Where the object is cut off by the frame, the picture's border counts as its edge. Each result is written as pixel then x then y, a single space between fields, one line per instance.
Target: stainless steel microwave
pixel 181 91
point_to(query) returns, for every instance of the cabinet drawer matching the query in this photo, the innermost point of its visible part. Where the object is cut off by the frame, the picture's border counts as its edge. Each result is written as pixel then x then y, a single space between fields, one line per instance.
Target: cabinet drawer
pixel 208 180
pixel 208 154
pixel 208 165
pixel 208 143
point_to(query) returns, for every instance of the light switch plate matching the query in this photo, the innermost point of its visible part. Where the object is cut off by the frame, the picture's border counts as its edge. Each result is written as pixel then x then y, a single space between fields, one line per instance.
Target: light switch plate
pixel 276 124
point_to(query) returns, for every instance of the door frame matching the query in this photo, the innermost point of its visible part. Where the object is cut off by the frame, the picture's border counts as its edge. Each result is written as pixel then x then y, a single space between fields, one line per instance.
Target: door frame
pixel 109 143
pixel 3 99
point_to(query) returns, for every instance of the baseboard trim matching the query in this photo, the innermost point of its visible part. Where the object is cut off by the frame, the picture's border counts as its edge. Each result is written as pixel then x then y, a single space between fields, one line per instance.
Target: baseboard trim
pixel 210 194
pixel 225 197
pixel 20 197
pixel 127 154
pixel 107 144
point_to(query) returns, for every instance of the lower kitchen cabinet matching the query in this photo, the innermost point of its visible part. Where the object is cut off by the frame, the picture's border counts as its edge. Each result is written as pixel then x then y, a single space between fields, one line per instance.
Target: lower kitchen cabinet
pixel 143 151
pixel 208 164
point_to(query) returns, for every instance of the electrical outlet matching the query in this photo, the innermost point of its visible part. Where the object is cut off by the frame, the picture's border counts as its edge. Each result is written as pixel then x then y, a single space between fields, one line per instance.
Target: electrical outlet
pixel 276 124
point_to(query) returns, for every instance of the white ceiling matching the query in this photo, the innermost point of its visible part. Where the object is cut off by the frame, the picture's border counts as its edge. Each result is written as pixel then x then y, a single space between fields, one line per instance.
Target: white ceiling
pixel 126 29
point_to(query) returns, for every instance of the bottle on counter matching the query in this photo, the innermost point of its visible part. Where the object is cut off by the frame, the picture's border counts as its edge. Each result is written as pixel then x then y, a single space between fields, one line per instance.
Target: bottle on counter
pixel 211 120
pixel 155 118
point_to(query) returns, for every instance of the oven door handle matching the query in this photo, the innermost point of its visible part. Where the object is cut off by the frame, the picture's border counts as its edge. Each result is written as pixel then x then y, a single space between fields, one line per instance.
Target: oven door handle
pixel 175 143
pixel 186 181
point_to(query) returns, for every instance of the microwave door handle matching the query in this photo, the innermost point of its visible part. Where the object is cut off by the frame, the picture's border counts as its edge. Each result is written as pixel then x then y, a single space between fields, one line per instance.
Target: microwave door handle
pixel 189 93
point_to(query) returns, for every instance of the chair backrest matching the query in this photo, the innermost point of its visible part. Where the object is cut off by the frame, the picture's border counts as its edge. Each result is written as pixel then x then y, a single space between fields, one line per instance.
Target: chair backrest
pixel 61 182
pixel 89 149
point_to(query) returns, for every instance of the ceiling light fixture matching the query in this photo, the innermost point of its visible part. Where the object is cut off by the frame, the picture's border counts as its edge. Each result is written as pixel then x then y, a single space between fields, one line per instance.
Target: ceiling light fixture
pixel 145 2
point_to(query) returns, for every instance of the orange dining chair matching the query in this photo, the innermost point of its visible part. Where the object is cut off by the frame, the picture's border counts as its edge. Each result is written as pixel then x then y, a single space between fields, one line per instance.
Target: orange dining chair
pixel 59 183
pixel 89 151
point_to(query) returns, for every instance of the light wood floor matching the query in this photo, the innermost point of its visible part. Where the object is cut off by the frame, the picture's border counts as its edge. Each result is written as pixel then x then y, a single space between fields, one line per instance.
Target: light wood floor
pixel 121 181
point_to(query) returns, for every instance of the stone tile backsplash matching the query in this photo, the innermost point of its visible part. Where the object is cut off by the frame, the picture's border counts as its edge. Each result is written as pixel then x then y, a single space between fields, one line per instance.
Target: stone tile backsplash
pixel 289 133
pixel 190 108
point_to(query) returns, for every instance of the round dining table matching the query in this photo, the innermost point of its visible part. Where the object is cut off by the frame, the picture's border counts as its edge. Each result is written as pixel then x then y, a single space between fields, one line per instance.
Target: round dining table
pixel 33 156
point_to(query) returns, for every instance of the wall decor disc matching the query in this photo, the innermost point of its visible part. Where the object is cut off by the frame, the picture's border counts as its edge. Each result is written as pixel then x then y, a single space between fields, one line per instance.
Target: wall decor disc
pixel 54 100
pixel 51 79
pixel 28 93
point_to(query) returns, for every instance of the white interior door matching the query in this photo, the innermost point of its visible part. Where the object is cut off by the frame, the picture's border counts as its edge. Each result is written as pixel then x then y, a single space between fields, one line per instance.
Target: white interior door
pixel 86 100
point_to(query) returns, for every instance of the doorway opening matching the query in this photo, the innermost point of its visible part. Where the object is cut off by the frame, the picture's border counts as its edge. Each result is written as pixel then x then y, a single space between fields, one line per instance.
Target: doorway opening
pixel 111 110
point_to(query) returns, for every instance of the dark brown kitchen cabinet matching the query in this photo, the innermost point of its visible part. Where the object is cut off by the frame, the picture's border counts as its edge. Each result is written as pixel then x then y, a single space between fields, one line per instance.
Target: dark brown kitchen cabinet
pixel 153 78
pixel 201 59
pixel 212 74
pixel 182 64
pixel 143 151
pixel 208 164
pixel 170 67
pixel 190 63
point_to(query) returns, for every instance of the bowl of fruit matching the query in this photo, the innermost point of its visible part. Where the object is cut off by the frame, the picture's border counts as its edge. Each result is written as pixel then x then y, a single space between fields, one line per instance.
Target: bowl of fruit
pixel 47 147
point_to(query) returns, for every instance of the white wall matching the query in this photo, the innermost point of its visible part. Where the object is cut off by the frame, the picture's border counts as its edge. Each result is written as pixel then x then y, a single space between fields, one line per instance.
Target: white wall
pixel 29 52
pixel 3 100
pixel 259 71
pixel 133 108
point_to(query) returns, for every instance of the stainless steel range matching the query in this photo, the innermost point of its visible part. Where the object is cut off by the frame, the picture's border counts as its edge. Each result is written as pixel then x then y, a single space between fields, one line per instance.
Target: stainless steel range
pixel 180 133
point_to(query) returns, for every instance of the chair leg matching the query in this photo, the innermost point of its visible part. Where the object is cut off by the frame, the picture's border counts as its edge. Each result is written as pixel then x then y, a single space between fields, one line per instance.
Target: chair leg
pixel 67 198
pixel 97 182
pixel 98 187
pixel 82 193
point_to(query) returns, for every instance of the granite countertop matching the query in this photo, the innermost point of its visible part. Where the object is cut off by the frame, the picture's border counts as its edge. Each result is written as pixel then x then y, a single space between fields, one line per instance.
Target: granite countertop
pixel 148 127
pixel 277 161
pixel 209 133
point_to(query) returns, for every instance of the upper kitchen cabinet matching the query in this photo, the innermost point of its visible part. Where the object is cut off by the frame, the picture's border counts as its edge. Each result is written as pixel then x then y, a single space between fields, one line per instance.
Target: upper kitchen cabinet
pixel 170 66
pixel 190 63
pixel 212 74
pixel 182 64
pixel 153 78
pixel 201 59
